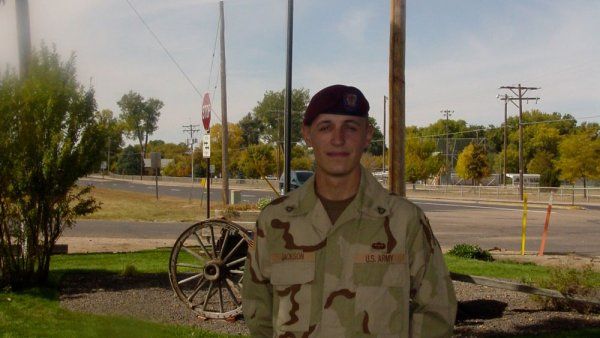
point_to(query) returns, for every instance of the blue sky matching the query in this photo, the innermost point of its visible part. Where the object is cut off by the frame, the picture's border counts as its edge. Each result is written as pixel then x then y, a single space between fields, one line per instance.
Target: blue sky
pixel 458 52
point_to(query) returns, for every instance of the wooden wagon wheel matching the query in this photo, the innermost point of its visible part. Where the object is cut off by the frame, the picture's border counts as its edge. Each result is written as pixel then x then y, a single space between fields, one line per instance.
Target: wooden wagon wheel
pixel 207 265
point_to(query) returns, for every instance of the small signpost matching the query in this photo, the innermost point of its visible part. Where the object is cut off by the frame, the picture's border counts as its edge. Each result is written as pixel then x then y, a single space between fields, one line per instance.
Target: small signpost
pixel 206 110
pixel 155 164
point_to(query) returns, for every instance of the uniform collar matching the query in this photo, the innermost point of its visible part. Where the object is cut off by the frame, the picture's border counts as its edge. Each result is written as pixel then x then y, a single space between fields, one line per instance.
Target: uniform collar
pixel 371 198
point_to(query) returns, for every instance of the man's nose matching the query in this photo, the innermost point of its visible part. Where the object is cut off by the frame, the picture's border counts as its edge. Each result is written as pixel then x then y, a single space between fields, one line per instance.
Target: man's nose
pixel 338 138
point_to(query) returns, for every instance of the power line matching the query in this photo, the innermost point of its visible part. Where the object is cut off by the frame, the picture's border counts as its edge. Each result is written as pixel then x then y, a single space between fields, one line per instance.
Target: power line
pixel 165 49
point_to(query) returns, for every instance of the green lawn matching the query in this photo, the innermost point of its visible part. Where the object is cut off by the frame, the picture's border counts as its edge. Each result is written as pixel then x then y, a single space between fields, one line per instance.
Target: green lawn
pixel 37 312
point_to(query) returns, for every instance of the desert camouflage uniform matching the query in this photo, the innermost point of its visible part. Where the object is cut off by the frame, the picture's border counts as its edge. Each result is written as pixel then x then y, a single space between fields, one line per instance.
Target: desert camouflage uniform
pixel 359 277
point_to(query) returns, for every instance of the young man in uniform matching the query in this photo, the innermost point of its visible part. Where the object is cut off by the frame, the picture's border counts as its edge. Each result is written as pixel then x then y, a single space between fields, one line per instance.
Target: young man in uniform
pixel 341 256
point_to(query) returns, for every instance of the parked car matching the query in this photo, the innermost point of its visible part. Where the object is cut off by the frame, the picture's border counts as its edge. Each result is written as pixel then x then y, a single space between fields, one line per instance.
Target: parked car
pixel 297 178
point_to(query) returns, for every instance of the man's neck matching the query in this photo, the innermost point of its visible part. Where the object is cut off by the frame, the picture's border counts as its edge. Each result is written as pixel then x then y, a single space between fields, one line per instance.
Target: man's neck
pixel 337 188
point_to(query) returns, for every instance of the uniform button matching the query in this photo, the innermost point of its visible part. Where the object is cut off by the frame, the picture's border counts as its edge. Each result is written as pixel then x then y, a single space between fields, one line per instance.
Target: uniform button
pixel 289 208
pixel 380 210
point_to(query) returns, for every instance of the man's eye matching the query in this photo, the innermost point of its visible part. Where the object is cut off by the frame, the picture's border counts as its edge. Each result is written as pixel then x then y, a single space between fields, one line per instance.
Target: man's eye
pixel 324 128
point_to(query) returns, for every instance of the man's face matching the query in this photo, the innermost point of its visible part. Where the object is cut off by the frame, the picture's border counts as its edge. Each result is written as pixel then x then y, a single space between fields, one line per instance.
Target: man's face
pixel 338 142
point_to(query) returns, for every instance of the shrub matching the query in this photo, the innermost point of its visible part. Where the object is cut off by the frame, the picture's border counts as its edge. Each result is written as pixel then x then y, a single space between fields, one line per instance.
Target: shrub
pixel 574 283
pixel 470 251
pixel 263 202
pixel 230 212
pixel 129 271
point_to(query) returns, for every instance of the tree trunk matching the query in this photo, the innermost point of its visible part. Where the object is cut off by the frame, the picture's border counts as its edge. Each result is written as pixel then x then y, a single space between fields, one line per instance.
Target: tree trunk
pixel 584 187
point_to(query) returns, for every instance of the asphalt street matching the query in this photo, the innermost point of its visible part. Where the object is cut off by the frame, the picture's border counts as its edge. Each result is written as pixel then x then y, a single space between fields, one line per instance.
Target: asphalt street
pixel 179 190
pixel 488 225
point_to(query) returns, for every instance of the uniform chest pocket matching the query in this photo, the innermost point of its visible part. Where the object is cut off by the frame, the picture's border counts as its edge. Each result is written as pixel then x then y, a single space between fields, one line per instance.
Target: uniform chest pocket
pixel 382 294
pixel 292 284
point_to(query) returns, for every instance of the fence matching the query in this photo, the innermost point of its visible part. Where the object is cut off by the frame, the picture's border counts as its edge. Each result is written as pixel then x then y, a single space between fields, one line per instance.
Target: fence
pixel 567 195
pixel 509 193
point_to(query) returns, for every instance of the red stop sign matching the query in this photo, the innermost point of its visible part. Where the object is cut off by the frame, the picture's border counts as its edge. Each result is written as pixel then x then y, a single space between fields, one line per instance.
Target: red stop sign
pixel 206 108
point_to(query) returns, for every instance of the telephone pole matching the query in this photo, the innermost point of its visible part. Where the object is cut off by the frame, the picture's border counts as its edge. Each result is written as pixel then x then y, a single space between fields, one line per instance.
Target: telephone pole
pixel 397 87
pixel 287 133
pixel 519 92
pixel 447 113
pixel 192 129
pixel 24 35
pixel 225 133
pixel 505 98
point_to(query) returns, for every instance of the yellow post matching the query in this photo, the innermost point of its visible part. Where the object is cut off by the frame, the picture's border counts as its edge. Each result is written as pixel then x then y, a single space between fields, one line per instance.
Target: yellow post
pixel 524 225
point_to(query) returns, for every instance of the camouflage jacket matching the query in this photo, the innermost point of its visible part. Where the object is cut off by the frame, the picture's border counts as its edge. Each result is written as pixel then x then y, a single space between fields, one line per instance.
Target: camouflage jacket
pixel 377 272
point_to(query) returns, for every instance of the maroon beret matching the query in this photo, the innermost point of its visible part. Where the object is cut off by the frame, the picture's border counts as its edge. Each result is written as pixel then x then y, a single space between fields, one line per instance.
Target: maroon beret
pixel 337 99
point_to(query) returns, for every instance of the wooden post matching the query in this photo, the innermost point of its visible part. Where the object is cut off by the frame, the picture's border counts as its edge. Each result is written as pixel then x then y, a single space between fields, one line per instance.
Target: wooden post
pixel 225 133
pixel 24 35
pixel 397 95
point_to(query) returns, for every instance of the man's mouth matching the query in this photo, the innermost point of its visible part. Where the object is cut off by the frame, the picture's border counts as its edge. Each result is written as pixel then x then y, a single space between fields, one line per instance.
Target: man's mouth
pixel 338 154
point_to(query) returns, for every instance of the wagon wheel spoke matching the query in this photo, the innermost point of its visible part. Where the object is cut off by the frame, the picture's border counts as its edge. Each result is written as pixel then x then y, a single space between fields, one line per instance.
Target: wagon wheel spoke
pixel 202 245
pixel 198 288
pixel 235 300
pixel 191 252
pixel 189 279
pixel 212 237
pixel 239 260
pixel 223 244
pixel 236 272
pixel 234 249
pixel 208 294
pixel 193 266
pixel 221 296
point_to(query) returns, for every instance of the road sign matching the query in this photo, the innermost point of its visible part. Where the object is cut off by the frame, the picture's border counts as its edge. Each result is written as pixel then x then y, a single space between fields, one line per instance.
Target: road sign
pixel 206 108
pixel 155 160
pixel 212 168
pixel 206 146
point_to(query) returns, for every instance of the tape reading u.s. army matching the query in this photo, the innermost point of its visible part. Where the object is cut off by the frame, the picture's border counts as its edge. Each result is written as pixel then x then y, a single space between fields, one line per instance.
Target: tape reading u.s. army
pixel 293 256
pixel 370 258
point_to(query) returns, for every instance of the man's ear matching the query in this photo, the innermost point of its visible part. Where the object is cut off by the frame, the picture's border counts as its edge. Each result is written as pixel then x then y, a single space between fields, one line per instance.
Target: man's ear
pixel 306 135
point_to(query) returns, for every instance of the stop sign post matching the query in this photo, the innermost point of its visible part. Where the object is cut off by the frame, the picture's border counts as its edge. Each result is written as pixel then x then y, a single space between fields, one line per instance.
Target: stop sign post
pixel 206 110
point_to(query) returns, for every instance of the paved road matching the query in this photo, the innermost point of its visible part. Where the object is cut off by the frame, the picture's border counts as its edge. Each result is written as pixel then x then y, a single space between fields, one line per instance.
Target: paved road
pixel 179 190
pixel 453 223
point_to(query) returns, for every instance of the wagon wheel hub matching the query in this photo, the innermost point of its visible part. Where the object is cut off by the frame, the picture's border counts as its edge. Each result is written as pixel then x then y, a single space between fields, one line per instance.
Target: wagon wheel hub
pixel 212 270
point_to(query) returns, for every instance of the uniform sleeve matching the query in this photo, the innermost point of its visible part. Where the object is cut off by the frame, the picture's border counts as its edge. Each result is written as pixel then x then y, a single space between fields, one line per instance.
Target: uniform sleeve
pixel 257 293
pixel 433 302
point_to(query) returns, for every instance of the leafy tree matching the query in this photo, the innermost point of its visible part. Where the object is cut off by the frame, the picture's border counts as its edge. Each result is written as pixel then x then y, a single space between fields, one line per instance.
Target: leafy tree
pixel 579 158
pixel 129 161
pixel 301 158
pixel 270 111
pixel 50 138
pixel 252 129
pixel 168 150
pixel 473 163
pixel 234 146
pixel 257 160
pixel 422 160
pixel 114 129
pixel 140 117
pixel 543 164
pixel 376 146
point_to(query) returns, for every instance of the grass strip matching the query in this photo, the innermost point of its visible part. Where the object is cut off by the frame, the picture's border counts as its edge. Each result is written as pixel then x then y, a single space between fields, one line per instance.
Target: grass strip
pixel 36 313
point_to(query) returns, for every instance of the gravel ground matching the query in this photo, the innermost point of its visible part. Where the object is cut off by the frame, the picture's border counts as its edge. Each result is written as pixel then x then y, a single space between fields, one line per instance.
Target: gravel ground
pixel 483 311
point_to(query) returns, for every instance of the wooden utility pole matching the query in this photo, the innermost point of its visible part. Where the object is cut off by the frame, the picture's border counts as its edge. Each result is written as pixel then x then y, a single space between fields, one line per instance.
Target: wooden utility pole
pixel 447 113
pixel 225 129
pixel 24 35
pixel 505 98
pixel 397 95
pixel 519 91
